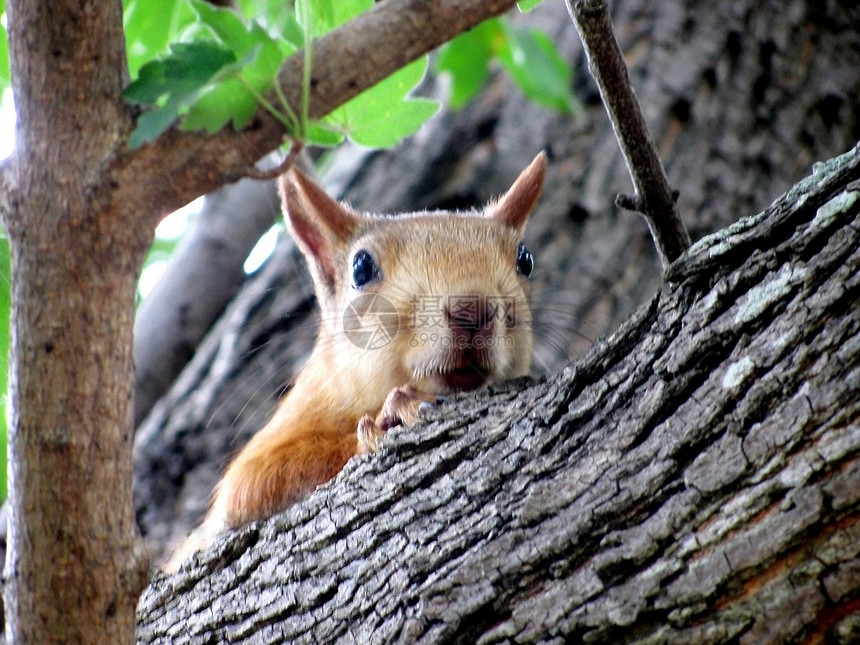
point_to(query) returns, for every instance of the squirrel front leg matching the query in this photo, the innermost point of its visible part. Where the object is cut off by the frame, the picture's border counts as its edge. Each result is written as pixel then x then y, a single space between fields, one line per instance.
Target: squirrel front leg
pixel 273 473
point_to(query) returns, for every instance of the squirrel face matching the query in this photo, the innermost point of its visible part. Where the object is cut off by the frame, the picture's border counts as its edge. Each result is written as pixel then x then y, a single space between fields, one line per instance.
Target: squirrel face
pixel 449 302
pixel 435 300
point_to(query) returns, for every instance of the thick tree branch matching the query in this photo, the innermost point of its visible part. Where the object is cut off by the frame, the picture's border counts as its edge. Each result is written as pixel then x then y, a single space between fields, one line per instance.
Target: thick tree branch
pixel 653 198
pixel 346 61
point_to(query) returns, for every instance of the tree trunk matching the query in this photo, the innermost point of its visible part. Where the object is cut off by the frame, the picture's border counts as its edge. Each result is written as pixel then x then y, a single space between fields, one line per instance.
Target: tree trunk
pixel 74 267
pixel 694 478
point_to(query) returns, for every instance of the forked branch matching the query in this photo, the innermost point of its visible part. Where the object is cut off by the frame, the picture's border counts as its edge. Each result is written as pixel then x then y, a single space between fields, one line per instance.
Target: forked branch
pixel 653 198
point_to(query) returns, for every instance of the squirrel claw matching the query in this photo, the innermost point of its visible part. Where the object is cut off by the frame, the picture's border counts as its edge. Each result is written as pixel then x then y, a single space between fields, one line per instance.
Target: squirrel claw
pixel 369 435
pixel 403 406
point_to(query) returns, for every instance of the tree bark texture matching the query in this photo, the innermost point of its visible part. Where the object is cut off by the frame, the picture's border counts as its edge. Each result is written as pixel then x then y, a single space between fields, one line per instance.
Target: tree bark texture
pixel 736 112
pixel 75 260
pixel 694 478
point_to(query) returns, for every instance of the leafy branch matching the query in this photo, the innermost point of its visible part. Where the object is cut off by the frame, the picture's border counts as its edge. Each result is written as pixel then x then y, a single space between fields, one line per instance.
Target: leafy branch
pixel 223 76
pixel 224 69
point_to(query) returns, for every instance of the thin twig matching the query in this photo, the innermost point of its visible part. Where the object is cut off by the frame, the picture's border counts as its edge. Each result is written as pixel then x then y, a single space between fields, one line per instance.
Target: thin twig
pixel 653 197
pixel 264 174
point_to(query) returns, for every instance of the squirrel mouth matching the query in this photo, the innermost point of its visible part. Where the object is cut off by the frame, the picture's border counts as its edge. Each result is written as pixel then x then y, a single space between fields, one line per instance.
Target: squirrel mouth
pixel 460 379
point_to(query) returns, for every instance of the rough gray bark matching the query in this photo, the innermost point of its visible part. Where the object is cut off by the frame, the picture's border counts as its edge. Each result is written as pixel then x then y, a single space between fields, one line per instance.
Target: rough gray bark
pixel 736 115
pixel 694 478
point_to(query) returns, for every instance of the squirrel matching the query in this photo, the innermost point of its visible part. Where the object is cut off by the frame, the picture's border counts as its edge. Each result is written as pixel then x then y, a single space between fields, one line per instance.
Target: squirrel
pixel 414 307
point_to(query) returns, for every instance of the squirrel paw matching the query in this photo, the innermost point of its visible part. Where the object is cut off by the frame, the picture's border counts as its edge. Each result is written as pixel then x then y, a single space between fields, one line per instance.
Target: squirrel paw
pixel 403 406
pixel 369 435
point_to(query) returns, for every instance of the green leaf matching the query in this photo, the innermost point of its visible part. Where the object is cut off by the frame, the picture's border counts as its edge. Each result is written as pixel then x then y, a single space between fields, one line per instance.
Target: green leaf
pixel 320 135
pixel 208 83
pixel 150 25
pixel 466 59
pixel 188 67
pixel 227 27
pixel 537 68
pixel 527 5
pixel 218 105
pixel 174 82
pixel 260 54
pixel 382 115
pixel 234 91
pixel 151 124
pixel 229 98
pixel 386 128
pixel 261 67
pixel 271 14
pixel 528 55
pixel 325 15
pixel 292 34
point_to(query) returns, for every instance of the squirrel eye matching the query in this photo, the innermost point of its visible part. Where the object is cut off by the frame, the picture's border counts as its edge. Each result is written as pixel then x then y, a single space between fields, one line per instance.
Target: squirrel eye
pixel 364 269
pixel 525 261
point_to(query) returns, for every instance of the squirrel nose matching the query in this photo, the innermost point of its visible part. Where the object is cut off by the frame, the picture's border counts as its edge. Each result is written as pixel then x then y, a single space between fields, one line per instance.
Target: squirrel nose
pixel 469 314
pixel 469 319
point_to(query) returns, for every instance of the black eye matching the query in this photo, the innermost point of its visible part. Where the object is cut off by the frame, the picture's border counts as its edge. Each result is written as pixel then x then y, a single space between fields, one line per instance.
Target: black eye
pixel 364 269
pixel 525 261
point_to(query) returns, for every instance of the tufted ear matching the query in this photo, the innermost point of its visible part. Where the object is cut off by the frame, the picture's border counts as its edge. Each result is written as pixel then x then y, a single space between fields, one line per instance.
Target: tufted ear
pixel 515 206
pixel 321 226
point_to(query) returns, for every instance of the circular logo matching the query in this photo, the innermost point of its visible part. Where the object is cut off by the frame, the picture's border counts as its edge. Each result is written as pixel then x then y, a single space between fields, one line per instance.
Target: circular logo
pixel 370 321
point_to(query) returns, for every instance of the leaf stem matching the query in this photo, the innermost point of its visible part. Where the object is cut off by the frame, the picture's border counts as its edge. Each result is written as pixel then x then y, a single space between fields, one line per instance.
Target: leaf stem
pixel 297 129
pixel 306 68
pixel 287 120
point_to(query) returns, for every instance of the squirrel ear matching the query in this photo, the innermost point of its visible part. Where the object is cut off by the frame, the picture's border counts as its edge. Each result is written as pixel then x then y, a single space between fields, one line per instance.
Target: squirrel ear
pixel 515 206
pixel 319 224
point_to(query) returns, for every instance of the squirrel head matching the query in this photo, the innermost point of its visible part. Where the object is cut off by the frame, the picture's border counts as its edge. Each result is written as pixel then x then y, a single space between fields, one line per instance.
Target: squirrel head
pixel 438 300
